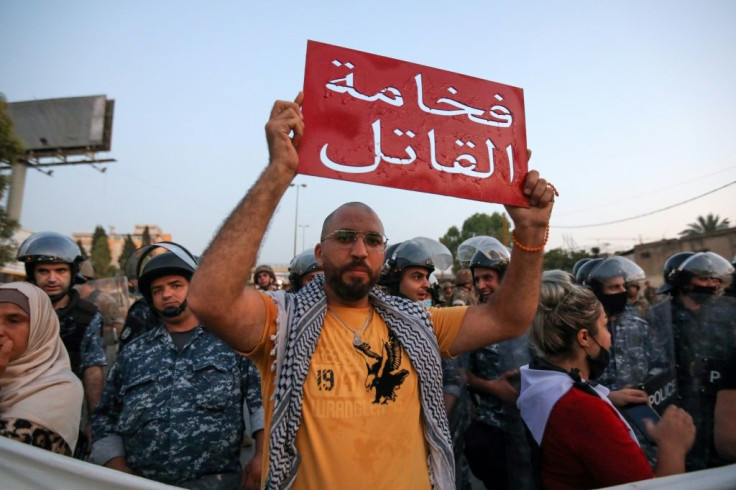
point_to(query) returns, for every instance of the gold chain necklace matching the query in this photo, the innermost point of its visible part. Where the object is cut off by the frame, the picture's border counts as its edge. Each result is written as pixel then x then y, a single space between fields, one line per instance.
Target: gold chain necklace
pixel 357 340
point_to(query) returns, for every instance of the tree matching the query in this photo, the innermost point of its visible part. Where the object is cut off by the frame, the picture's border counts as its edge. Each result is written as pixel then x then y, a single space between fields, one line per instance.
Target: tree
pixel 11 150
pixel 495 225
pixel 710 223
pixel 128 249
pixel 146 237
pixel 81 249
pixel 100 253
pixel 560 258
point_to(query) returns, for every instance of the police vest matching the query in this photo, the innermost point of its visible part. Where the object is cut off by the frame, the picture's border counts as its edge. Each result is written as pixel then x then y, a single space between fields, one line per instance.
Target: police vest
pixel 73 321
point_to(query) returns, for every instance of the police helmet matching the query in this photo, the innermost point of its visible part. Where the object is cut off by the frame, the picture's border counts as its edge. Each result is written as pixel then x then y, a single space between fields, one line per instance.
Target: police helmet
pixel 484 251
pixel 423 252
pixel 147 264
pixel 671 279
pixel 612 267
pixel 702 265
pixel 578 265
pixel 582 276
pixel 265 268
pixel 50 247
pixel 300 265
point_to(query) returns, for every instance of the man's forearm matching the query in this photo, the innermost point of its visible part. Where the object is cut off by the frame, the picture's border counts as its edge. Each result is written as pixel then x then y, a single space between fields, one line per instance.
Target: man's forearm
pixel 216 293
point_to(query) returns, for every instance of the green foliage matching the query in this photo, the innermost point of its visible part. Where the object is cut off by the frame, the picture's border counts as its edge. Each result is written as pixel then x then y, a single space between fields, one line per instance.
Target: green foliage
pixel 146 237
pixel 476 225
pixel 11 149
pixel 100 254
pixel 128 249
pixel 81 249
pixel 708 224
pixel 560 258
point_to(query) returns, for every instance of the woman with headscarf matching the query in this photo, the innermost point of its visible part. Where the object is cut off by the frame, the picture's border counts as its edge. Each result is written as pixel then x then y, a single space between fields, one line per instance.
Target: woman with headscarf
pixel 584 442
pixel 40 397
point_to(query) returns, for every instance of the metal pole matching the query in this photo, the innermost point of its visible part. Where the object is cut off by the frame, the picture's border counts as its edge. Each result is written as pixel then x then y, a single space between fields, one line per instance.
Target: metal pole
pixel 296 212
pixel 304 230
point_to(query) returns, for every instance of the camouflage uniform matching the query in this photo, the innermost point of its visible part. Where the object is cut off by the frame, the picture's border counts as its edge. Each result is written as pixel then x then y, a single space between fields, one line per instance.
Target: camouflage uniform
pixel 140 319
pixel 631 354
pixel 499 421
pixel 454 383
pixel 82 338
pixel 111 315
pixel 699 343
pixel 176 416
pixel 631 351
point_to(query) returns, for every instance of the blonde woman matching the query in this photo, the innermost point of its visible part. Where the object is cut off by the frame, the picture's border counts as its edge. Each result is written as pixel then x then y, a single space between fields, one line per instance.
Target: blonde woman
pixel 584 441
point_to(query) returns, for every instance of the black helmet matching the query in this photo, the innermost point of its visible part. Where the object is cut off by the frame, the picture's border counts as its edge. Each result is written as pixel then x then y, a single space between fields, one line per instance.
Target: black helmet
pixel 145 267
pixel 484 251
pixel 582 276
pixel 300 265
pixel 50 247
pixel 703 265
pixel 670 271
pixel 417 252
pixel 611 267
pixel 578 265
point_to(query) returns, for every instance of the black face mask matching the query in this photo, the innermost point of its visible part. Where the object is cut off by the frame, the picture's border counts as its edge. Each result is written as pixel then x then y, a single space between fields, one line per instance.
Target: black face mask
pixel 598 366
pixel 614 304
pixel 701 294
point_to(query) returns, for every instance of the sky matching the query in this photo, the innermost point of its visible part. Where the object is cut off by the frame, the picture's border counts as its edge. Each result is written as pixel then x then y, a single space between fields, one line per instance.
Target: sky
pixel 630 108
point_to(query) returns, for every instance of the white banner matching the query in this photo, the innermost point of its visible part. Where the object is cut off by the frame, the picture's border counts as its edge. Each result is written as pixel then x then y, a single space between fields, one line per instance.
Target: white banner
pixel 26 467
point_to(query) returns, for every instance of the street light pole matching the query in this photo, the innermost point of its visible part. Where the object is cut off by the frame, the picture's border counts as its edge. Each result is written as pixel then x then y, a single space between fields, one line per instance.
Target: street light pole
pixel 296 211
pixel 304 229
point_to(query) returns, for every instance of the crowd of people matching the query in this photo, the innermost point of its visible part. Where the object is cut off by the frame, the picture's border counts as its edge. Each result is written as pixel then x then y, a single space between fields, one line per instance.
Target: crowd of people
pixel 365 372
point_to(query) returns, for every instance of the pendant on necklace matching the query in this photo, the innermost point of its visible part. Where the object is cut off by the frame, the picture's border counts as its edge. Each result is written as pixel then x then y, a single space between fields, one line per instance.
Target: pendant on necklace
pixel 357 341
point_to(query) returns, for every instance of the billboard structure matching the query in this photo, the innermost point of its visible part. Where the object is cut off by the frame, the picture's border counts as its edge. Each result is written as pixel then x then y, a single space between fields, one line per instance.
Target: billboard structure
pixel 56 132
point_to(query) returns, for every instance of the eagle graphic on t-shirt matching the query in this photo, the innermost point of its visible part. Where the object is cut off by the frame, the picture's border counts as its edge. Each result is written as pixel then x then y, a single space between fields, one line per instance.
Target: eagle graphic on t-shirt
pixel 383 374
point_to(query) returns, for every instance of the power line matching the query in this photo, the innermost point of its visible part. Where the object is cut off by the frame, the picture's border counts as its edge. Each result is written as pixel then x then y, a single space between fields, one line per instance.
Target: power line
pixel 649 213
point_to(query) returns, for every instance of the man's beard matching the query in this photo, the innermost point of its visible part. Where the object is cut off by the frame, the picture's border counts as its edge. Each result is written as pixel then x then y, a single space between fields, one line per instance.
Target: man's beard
pixel 355 290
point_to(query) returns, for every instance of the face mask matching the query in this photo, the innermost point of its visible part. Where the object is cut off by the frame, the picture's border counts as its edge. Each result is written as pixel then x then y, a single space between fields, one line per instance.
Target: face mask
pixel 427 302
pixel 701 294
pixel 599 365
pixel 614 304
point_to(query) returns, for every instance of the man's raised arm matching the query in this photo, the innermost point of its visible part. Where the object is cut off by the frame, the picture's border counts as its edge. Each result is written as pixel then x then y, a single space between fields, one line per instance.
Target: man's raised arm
pixel 218 295
pixel 510 311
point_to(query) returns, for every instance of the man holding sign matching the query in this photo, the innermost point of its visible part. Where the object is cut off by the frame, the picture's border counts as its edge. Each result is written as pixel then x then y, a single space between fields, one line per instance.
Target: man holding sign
pixel 351 377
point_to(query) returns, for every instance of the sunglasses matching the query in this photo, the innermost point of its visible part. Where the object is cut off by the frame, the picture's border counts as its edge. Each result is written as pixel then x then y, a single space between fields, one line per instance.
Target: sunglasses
pixel 373 240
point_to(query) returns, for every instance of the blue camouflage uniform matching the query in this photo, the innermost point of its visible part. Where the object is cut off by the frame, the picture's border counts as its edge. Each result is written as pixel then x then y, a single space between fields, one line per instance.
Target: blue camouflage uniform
pixel 631 351
pixel 698 342
pixel 496 443
pixel 632 360
pixel 454 382
pixel 177 416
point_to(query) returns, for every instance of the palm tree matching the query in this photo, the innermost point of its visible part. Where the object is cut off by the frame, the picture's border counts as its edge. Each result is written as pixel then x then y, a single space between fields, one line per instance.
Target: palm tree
pixel 707 224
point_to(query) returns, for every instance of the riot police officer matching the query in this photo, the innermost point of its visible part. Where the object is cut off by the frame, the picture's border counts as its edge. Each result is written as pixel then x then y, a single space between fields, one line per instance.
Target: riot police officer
pixel 52 262
pixel 302 269
pixel 696 328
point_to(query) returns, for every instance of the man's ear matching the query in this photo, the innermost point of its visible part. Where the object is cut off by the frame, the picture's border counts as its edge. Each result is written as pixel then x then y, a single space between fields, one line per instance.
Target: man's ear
pixel 318 254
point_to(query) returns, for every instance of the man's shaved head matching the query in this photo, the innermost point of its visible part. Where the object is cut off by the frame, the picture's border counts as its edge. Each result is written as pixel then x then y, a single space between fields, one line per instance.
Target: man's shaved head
pixel 345 207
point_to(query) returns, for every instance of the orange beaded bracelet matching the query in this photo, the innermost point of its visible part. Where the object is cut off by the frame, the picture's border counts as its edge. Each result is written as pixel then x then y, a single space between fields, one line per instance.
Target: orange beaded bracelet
pixel 538 248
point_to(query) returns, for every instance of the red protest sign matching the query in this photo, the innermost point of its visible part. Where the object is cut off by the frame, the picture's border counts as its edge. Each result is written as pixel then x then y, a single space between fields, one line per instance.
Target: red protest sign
pixel 387 122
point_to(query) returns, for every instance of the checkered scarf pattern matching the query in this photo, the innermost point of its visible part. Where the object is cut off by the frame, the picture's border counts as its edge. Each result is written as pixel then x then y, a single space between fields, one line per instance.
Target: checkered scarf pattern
pixel 300 321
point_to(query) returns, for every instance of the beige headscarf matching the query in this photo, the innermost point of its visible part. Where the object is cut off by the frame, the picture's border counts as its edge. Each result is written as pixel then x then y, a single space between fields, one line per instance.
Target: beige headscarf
pixel 39 386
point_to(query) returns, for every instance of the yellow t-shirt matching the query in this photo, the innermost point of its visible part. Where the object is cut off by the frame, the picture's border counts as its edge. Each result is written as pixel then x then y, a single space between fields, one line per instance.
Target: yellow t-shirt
pixel 361 417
